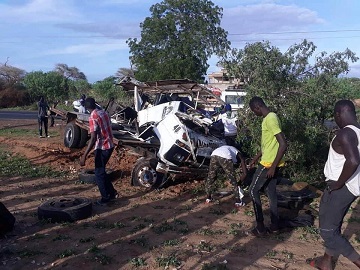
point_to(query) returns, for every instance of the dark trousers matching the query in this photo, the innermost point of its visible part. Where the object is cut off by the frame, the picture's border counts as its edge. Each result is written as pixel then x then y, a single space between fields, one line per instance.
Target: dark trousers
pixel 333 208
pixel 43 121
pixel 227 165
pixel 104 184
pixel 259 182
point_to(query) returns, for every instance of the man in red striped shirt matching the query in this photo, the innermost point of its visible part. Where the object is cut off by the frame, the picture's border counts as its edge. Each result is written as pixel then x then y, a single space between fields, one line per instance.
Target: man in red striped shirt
pixel 102 139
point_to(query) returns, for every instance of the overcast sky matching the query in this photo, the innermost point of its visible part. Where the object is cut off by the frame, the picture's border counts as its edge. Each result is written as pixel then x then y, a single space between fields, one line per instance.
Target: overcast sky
pixel 91 34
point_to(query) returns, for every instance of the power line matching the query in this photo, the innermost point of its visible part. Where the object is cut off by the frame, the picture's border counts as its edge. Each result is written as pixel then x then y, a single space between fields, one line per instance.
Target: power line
pixel 295 32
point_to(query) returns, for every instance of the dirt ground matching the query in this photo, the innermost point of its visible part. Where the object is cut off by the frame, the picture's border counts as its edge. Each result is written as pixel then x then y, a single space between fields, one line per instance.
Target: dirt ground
pixel 168 229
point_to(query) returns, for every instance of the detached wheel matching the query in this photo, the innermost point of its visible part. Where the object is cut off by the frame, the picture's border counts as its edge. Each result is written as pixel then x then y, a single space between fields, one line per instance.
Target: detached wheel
pixel 83 137
pixel 144 173
pixel 72 135
pixel 65 209
pixel 88 176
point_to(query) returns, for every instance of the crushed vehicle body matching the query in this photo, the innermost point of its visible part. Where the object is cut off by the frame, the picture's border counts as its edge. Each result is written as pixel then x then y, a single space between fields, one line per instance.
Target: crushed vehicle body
pixel 176 116
pixel 170 127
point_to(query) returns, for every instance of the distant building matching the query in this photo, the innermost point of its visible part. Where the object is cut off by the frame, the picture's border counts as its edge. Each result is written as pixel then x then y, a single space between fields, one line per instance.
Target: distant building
pixel 231 90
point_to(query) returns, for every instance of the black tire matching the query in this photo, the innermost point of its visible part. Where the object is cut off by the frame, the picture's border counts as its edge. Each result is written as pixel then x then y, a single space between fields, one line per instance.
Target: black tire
pixel 88 176
pixel 72 135
pixel 65 209
pixel 7 220
pixel 144 173
pixel 84 136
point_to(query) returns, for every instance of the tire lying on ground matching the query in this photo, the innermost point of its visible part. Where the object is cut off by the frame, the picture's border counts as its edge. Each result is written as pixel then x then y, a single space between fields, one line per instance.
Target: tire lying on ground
pixel 72 135
pixel 88 176
pixel 65 209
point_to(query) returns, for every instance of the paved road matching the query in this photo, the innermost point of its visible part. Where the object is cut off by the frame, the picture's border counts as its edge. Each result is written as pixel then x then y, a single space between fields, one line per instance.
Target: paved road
pixel 18 115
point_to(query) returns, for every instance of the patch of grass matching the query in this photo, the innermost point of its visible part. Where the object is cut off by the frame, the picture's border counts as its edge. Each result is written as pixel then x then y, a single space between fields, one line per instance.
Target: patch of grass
pixel 271 254
pixel 66 253
pixel 102 259
pixel 118 225
pixel 102 225
pixel 17 132
pixel 217 212
pixel 163 227
pixel 234 228
pixel 354 219
pixel 204 246
pixel 137 262
pixel 219 266
pixel 288 255
pixel 86 240
pixel 171 243
pixel 16 165
pixel 249 213
pixel 159 207
pixel 137 228
pixel 27 253
pixel 94 249
pixel 208 231
pixel 141 241
pixel 170 260
pixel 36 236
pixel 61 237
pixel 309 231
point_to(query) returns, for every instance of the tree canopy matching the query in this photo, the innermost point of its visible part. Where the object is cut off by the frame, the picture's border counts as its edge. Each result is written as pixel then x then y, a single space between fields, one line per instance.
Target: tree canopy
pixel 302 89
pixel 51 85
pixel 177 40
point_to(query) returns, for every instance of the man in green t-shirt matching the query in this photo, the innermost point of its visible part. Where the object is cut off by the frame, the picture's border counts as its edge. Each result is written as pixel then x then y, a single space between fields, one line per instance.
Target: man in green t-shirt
pixel 273 147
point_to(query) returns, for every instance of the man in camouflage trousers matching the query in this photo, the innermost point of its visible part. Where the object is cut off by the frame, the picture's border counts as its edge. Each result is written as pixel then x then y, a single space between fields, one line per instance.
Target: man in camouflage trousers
pixel 225 157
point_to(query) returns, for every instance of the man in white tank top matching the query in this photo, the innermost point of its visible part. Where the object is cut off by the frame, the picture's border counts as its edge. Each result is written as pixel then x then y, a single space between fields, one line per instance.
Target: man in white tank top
pixel 342 172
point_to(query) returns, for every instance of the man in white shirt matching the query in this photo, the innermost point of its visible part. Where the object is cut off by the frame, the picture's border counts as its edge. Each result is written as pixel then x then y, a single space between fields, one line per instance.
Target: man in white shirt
pixel 342 172
pixel 230 125
pixel 225 157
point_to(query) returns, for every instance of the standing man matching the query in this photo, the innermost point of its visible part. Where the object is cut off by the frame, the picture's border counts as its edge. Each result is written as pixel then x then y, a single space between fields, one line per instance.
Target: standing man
pixel 342 174
pixel 230 125
pixel 43 108
pixel 273 147
pixel 102 139
pixel 224 157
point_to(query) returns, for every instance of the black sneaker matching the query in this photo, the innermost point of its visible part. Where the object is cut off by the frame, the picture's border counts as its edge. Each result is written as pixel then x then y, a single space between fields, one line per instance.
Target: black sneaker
pixel 114 196
pixel 101 202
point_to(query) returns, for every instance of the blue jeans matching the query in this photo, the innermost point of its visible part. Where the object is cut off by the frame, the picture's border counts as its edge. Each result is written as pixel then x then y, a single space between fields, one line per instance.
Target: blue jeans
pixel 43 120
pixel 104 184
pixel 259 182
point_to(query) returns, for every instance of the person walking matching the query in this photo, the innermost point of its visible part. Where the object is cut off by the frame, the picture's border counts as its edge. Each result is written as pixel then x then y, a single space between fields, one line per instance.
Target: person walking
pixel 43 108
pixel 273 147
pixel 224 157
pixel 102 141
pixel 342 173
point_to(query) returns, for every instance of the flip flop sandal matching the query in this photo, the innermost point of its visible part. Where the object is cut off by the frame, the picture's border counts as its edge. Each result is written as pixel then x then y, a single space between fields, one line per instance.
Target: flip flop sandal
pixel 312 263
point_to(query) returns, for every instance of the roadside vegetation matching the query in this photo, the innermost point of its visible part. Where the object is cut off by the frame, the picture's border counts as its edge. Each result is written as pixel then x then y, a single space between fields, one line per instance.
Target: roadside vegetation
pixel 300 84
pixel 17 165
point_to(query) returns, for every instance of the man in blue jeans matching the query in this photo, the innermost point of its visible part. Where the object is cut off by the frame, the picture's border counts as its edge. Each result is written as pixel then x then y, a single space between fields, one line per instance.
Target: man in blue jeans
pixel 102 139
pixel 273 147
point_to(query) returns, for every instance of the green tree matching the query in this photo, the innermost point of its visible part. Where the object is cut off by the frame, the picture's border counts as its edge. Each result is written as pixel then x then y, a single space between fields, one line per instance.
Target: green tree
pixel 70 72
pixel 123 72
pixel 106 89
pixel 177 40
pixel 52 85
pixel 79 87
pixel 10 76
pixel 302 89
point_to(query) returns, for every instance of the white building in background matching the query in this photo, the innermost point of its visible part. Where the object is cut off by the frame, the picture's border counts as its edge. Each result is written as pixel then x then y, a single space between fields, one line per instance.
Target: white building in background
pixel 230 90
